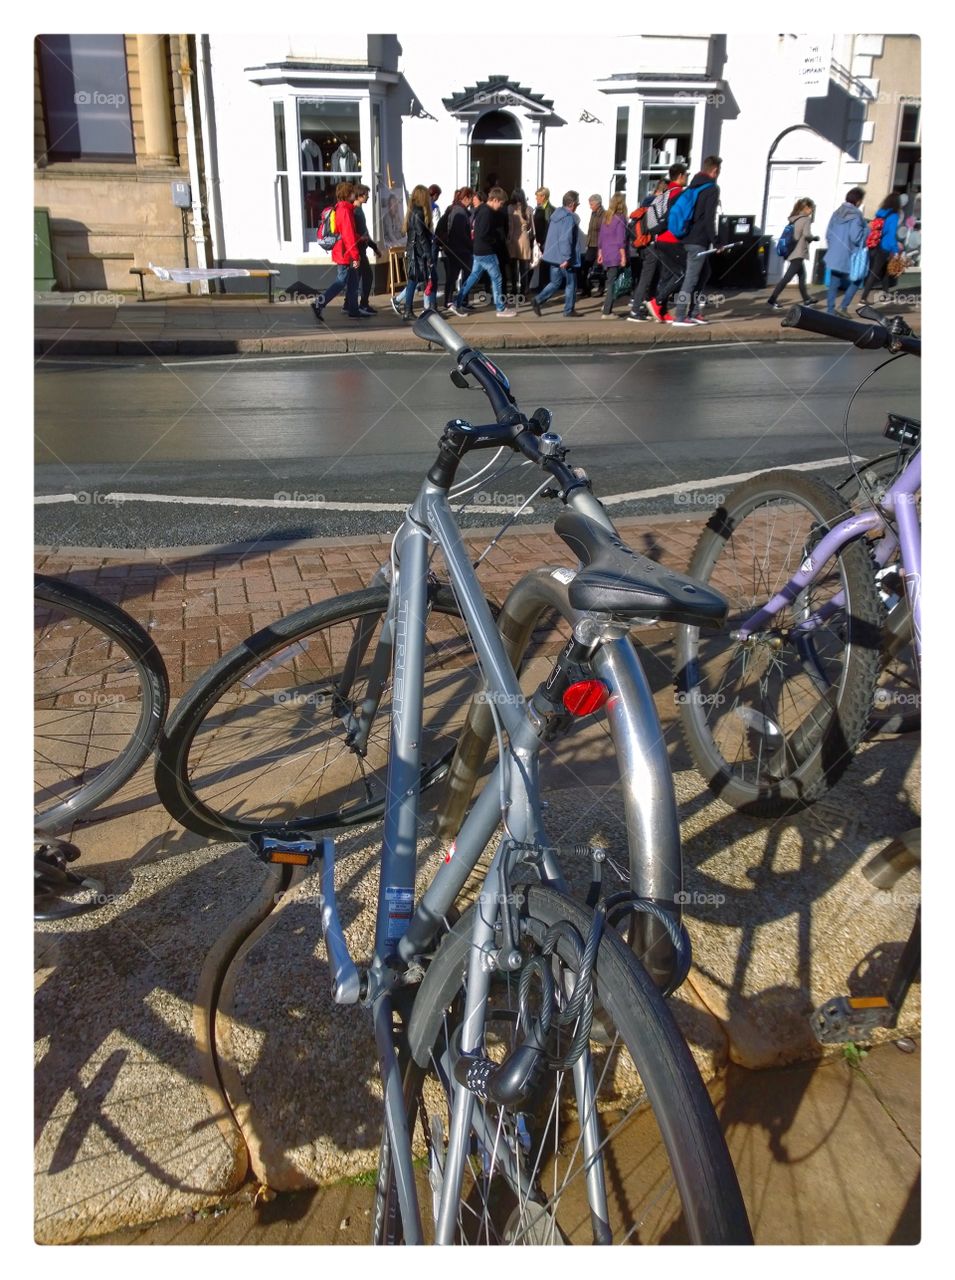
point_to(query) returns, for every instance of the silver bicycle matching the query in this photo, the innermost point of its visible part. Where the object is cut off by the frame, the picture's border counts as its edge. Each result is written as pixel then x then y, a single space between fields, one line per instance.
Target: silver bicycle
pixel 537 1089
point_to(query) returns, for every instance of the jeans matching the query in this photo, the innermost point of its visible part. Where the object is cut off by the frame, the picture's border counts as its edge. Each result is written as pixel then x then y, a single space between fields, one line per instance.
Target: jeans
pixel 489 263
pixel 649 266
pixel 672 260
pixel 456 271
pixel 566 276
pixel 878 260
pixel 838 282
pixel 794 267
pixel 346 279
pixel 612 273
pixel 365 277
pixel 697 270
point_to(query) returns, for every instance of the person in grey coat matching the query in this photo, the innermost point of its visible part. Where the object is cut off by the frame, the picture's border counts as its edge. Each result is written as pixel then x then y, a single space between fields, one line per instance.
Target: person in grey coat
pixel 846 258
pixel 562 251
pixel 801 219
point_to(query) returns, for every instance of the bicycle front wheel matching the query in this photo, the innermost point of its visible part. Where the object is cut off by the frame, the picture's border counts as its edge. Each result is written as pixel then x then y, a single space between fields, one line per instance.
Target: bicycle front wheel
pixel 772 721
pixel 657 1169
pixel 262 738
pixel 100 695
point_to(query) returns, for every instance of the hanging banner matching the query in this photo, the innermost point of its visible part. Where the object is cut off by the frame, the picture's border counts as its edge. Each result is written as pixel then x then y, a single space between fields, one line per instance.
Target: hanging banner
pixel 813 57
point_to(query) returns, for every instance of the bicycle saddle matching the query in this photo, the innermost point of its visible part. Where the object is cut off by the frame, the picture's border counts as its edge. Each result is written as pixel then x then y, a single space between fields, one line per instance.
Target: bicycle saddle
pixel 622 582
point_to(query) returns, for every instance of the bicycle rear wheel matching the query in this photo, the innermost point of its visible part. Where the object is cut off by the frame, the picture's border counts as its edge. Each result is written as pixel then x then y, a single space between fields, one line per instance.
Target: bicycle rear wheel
pixel 260 739
pixel 666 1171
pixel 772 721
pixel 100 695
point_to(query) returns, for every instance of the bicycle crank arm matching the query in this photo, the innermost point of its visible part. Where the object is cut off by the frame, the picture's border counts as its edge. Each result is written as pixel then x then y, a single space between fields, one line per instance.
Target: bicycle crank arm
pixel 286 848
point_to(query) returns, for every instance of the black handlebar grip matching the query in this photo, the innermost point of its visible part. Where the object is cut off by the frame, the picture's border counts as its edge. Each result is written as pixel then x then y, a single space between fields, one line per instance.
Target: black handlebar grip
pixel 870 337
pixel 433 328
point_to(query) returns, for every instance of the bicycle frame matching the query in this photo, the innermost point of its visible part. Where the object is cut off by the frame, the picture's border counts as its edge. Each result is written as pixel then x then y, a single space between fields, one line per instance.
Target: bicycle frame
pixel 404 931
pixel 900 503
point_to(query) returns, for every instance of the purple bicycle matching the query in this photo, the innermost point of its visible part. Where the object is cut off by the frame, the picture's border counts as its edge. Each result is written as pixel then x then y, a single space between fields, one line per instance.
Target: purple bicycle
pixel 824 600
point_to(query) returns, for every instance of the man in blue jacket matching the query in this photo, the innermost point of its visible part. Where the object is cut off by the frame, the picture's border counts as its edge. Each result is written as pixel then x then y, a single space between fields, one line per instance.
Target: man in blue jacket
pixel 562 252
pixel 845 251
pixel 698 241
pixel 889 244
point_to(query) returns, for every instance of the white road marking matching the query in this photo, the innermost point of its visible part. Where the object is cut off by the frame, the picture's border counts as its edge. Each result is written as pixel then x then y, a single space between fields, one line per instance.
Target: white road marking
pixel 86 498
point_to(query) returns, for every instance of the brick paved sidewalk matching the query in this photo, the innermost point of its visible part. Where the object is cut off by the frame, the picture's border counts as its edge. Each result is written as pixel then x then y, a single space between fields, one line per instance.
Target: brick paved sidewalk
pixel 199 604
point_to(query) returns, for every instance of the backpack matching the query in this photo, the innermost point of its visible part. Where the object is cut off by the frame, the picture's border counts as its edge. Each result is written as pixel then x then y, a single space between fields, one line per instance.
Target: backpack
pixel 328 237
pixel 441 230
pixel 680 216
pixel 874 238
pixel 787 241
pixel 638 230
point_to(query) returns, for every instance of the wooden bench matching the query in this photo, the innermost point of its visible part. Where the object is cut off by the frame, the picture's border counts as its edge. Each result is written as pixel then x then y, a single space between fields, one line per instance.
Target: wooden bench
pixel 254 274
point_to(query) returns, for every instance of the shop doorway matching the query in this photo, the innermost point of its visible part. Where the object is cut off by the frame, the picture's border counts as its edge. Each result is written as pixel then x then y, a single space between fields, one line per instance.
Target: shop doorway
pixel 497 150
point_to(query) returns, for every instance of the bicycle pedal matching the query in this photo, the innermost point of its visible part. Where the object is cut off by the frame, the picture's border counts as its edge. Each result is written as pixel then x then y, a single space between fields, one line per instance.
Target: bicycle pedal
pixel 284 848
pixel 851 1018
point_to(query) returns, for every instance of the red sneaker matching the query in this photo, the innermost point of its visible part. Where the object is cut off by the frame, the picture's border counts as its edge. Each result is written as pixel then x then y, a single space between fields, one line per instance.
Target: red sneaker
pixel 656 310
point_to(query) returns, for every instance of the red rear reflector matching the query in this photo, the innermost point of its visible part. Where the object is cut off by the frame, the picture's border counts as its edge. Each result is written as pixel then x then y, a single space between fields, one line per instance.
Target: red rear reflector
pixel 585 697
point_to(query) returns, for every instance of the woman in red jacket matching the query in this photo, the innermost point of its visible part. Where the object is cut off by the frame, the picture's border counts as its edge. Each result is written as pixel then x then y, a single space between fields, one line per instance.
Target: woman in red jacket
pixel 346 254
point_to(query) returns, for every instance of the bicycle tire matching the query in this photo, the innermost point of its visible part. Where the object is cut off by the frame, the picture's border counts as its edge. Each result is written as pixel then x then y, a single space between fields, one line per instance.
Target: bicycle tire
pixel 710 1204
pixel 178 753
pixel 892 713
pixel 819 750
pixel 119 628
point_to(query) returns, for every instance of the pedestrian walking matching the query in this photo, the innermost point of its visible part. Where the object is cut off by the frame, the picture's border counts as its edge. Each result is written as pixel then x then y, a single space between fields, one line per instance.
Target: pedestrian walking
pixel 669 254
pixel 589 262
pixel 883 242
pixel 650 219
pixel 419 248
pixel 847 259
pixel 520 245
pixel 345 254
pixel 798 233
pixel 366 273
pixel 612 247
pixel 543 213
pixel 484 233
pixel 454 241
pixel 431 289
pixel 691 228
pixel 562 253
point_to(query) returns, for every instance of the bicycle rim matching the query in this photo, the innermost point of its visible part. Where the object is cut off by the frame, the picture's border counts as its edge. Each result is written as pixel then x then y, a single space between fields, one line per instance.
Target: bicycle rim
pixel 260 740
pixel 773 720
pixel 100 696
pixel 666 1172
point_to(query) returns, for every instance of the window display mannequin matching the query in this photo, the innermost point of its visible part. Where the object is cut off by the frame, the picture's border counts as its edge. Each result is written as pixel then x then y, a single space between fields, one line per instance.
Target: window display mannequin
pixel 344 159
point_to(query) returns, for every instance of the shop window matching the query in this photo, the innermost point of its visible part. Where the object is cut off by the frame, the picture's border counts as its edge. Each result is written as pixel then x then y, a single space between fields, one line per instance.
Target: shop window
pixel 330 143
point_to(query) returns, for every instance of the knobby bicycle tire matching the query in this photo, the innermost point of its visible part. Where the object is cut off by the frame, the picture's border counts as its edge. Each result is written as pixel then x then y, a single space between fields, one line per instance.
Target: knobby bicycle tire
pixel 120 629
pixel 177 783
pixel 709 1208
pixel 822 746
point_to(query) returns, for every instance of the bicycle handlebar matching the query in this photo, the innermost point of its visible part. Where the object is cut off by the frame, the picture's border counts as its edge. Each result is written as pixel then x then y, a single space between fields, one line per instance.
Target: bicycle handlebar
pixel 869 337
pixel 434 328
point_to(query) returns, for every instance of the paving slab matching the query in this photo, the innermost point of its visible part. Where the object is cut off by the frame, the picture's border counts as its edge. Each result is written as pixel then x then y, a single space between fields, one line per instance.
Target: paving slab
pixel 130 1123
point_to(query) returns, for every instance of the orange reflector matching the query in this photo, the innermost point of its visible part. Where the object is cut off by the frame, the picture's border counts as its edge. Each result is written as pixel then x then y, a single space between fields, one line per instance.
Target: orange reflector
pixel 867 1002
pixel 584 697
pixel 283 855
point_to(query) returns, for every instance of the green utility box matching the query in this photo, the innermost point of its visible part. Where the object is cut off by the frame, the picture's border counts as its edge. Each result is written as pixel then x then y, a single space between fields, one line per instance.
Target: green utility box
pixel 44 277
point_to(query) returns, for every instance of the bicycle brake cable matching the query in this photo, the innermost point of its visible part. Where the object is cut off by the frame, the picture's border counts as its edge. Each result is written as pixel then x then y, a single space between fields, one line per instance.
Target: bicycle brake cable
pixel 863 486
